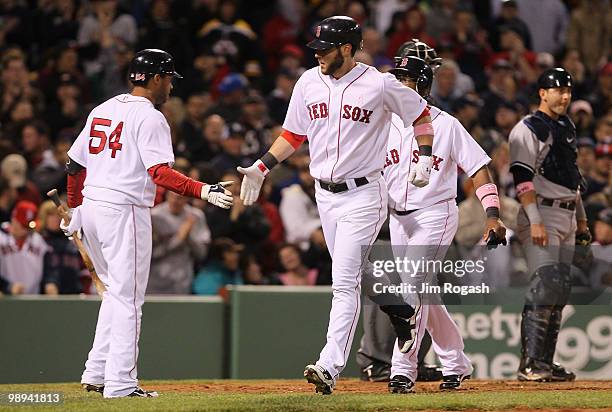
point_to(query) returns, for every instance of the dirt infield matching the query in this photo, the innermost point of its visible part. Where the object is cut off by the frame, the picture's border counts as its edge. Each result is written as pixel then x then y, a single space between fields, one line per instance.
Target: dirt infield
pixel 356 386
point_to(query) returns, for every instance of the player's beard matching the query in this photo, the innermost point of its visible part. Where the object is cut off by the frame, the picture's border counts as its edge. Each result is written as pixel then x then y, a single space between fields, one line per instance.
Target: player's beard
pixel 335 64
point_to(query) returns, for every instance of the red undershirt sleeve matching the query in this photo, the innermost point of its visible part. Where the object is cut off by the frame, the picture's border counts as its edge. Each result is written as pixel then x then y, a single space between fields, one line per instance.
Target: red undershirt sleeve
pixel 74 188
pixel 294 140
pixel 177 182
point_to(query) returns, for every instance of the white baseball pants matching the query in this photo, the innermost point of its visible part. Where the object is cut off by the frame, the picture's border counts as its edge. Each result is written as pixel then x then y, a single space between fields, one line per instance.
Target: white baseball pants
pixel 119 241
pixel 427 233
pixel 351 221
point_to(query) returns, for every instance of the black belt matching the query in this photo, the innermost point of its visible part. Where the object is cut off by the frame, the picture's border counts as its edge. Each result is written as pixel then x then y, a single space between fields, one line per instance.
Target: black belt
pixel 404 212
pixel 569 205
pixel 342 187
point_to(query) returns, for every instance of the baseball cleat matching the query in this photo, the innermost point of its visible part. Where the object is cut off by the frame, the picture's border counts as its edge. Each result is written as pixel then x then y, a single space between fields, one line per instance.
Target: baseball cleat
pixel 141 393
pixel 401 384
pixel 320 378
pixel 453 382
pixel 376 372
pixel 560 374
pixel 92 387
pixel 532 370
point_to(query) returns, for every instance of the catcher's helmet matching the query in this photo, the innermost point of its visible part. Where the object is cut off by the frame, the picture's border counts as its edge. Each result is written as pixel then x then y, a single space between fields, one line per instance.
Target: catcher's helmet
pixel 419 49
pixel 335 31
pixel 149 62
pixel 553 78
pixel 417 70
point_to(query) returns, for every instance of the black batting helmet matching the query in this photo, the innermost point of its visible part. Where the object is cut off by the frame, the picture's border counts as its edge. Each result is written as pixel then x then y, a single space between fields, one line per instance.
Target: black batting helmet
pixel 553 78
pixel 417 70
pixel 149 62
pixel 336 31
pixel 419 49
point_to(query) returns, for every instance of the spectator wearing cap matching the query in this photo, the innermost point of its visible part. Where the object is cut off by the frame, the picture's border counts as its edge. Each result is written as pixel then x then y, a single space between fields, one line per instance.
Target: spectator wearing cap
pixel 14 168
pixel 223 268
pixel 598 177
pixel 278 99
pixel 589 32
pixel 67 111
pixel 292 60
pixel 63 261
pixel 231 155
pixel 601 98
pixel 22 254
pixel 190 134
pixel 508 16
pixel 232 91
pixel 586 155
pixel 581 113
pixel 257 125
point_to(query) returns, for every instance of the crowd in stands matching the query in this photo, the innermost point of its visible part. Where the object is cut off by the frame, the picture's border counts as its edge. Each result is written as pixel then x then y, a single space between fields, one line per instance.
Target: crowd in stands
pixel 240 61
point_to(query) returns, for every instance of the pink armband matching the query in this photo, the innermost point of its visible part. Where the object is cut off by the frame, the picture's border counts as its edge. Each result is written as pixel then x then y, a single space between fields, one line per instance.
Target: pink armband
pixel 487 194
pixel 423 129
pixel 524 188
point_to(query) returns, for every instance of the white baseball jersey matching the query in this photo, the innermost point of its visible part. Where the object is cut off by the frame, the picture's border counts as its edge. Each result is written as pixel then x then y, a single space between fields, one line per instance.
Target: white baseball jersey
pixel 23 265
pixel 123 137
pixel 453 146
pixel 347 120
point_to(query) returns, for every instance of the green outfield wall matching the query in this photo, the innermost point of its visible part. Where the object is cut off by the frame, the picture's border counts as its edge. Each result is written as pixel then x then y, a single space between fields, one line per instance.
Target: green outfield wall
pixel 47 339
pixel 267 332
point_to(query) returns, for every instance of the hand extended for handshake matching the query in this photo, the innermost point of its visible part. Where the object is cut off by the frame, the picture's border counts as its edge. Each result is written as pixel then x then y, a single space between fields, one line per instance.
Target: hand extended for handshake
pixel 218 195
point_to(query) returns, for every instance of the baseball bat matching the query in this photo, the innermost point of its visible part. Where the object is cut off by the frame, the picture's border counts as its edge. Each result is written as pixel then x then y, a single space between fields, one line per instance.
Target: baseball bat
pixel 63 212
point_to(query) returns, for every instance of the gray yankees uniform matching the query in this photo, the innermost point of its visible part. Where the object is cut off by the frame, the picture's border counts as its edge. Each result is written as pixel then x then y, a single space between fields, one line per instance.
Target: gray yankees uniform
pixel 543 151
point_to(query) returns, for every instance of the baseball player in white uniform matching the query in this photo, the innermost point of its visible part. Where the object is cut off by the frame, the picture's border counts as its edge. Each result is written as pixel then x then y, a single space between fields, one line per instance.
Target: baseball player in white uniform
pixel 22 253
pixel 124 150
pixel 344 110
pixel 423 223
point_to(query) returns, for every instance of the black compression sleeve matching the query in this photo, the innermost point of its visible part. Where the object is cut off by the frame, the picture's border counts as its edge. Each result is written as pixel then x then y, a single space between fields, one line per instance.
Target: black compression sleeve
pixel 521 174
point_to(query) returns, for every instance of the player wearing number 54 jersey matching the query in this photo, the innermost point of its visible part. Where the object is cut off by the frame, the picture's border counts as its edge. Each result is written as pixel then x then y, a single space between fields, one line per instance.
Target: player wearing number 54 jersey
pixel 344 110
pixel 123 152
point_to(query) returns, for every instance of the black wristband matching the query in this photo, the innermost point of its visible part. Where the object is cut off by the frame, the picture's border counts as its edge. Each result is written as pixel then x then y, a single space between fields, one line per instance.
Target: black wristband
pixel 425 150
pixel 269 160
pixel 492 213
